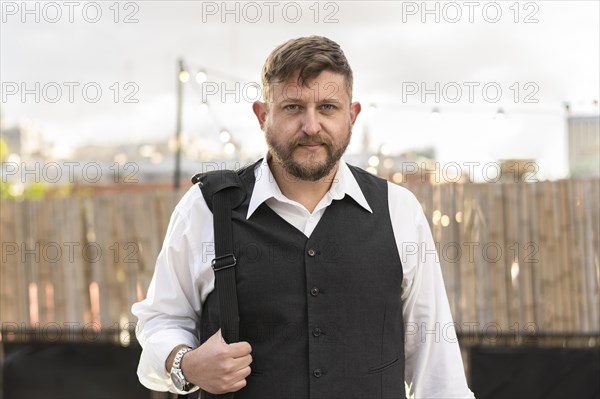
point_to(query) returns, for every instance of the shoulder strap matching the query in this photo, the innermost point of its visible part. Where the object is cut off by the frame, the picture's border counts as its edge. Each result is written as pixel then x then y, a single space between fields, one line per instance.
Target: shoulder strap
pixel 223 191
pixel 210 183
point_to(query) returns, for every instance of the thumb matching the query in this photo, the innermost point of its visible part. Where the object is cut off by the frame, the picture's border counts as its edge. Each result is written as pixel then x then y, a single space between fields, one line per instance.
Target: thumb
pixel 217 337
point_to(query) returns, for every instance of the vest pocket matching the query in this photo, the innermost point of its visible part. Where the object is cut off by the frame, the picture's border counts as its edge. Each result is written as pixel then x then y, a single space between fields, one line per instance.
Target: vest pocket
pixel 382 367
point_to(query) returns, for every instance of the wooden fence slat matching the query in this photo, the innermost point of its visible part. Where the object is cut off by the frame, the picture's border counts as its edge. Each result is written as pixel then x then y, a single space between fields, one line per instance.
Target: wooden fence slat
pixel 58 270
pixel 556 253
pixel 511 243
pixel 591 243
pixel 480 238
pixel 525 264
pixel 544 266
pixel 495 212
pixel 532 251
pixel 569 246
pixel 10 265
pixel 454 256
pixel 467 258
pixel 445 236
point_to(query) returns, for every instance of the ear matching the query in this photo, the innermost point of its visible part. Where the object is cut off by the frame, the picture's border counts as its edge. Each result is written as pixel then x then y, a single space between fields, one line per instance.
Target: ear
pixel 354 111
pixel 260 110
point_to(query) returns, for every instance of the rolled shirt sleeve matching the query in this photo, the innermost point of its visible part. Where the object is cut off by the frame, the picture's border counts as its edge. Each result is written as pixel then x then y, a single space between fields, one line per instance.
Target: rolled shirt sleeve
pixel 170 314
pixel 433 363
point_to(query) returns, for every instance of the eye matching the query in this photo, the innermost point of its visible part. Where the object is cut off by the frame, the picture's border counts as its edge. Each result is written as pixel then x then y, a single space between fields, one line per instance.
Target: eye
pixel 328 107
pixel 292 107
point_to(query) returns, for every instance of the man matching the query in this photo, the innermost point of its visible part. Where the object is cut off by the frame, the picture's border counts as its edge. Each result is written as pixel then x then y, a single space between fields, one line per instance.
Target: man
pixel 325 287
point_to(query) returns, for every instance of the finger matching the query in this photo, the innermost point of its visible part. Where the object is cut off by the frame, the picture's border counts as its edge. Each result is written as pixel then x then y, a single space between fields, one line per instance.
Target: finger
pixel 240 349
pixel 237 386
pixel 243 373
pixel 238 377
pixel 241 362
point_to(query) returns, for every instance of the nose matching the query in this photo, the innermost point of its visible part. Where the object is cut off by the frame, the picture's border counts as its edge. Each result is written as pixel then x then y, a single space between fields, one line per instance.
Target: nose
pixel 311 124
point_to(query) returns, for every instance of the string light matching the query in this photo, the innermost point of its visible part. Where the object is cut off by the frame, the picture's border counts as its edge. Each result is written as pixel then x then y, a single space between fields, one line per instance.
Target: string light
pixel 201 77
pixel 229 148
pixel 184 76
pixel 374 161
pixel 225 136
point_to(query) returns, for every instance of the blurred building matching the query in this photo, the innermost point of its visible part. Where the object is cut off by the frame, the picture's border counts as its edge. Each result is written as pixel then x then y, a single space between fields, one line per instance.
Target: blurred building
pixel 22 139
pixel 518 170
pixel 418 166
pixel 584 146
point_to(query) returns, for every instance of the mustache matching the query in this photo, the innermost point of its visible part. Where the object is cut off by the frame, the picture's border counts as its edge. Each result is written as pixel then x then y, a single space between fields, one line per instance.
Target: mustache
pixel 311 141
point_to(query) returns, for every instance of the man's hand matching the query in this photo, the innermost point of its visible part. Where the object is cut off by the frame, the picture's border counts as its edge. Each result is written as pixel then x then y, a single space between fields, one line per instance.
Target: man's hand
pixel 218 367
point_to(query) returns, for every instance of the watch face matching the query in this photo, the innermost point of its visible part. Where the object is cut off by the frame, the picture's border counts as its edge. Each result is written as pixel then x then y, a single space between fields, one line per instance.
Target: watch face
pixel 178 379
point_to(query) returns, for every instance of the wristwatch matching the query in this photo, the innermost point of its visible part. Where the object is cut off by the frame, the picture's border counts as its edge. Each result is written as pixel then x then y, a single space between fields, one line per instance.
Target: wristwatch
pixel 177 375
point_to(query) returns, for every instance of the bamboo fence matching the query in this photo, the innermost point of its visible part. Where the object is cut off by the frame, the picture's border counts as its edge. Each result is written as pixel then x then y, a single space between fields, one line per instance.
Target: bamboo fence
pixel 518 259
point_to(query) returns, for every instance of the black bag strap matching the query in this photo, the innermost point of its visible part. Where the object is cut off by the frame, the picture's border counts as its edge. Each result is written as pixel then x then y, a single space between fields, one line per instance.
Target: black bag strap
pixel 224 266
pixel 223 191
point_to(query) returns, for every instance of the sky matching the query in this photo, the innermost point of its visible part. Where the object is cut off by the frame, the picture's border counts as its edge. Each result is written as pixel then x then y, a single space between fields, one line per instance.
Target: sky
pixel 105 72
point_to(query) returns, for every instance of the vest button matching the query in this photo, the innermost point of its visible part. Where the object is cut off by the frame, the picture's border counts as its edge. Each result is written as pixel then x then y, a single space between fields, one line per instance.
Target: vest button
pixel 316 332
pixel 318 373
pixel 314 291
pixel 312 252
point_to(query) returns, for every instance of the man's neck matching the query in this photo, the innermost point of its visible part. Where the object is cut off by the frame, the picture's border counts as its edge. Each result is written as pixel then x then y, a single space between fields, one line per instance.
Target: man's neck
pixel 307 193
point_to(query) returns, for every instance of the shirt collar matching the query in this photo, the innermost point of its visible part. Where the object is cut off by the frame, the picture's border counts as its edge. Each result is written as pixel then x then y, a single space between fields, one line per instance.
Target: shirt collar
pixel 265 187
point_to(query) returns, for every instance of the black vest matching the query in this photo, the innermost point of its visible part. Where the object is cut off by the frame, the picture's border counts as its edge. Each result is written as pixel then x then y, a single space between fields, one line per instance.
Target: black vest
pixel 323 314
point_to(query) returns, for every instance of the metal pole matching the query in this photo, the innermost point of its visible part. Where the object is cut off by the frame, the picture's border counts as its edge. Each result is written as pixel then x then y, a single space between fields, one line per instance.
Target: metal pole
pixel 179 103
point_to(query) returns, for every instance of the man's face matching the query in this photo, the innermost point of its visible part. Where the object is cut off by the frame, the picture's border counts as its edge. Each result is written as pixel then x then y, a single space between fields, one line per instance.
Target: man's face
pixel 308 127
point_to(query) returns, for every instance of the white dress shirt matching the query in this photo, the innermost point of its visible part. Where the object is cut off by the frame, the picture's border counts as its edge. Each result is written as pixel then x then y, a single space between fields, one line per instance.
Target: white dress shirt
pixel 170 314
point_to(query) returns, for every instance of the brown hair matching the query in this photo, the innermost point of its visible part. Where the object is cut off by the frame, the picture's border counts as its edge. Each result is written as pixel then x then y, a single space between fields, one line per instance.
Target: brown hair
pixel 309 56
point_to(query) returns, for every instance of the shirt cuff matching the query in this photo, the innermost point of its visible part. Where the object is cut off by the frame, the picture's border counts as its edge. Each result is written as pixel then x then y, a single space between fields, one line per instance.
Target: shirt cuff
pixel 151 369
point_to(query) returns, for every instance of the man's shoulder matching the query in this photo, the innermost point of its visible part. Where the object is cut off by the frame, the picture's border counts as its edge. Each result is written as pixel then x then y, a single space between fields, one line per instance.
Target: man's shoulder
pixel 211 182
pixel 403 194
pixel 191 201
pixel 219 176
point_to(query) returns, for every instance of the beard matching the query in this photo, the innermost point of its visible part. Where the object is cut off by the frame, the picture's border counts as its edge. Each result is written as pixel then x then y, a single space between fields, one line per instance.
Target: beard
pixel 310 169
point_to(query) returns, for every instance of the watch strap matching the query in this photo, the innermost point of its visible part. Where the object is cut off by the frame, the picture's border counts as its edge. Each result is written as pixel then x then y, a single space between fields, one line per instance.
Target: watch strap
pixel 179 356
pixel 177 373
